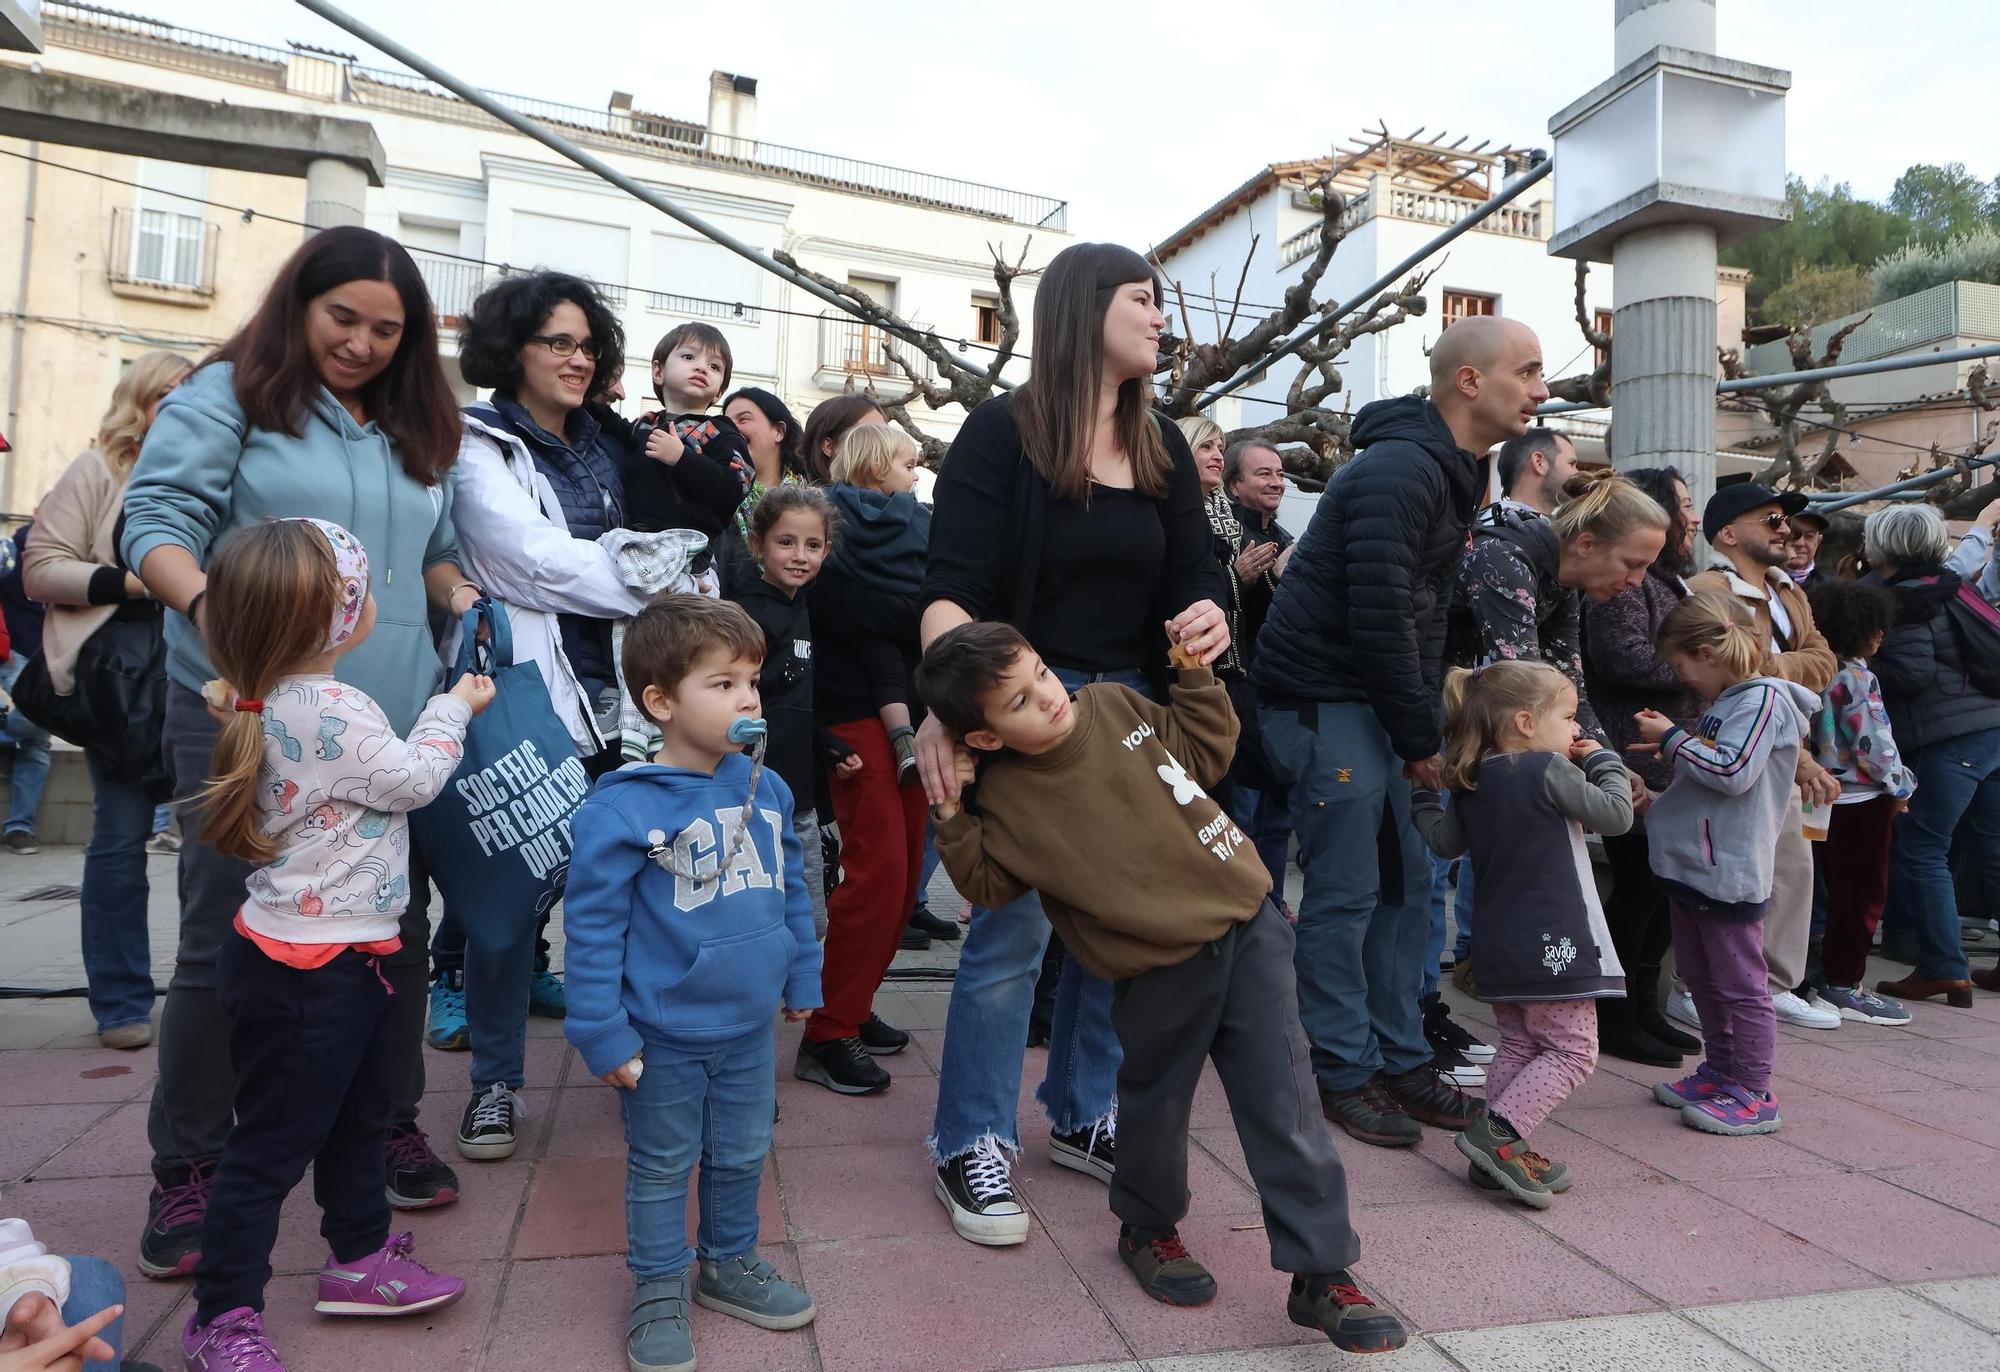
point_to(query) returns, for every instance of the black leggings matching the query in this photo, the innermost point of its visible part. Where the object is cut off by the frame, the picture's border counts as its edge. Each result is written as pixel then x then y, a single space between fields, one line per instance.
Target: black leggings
pixel 1637 908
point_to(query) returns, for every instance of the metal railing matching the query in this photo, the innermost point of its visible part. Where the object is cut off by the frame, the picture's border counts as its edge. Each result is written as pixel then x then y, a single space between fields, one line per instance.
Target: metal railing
pixel 1951 309
pixel 454 283
pixel 327 76
pixel 848 347
pixel 161 250
pixel 694 306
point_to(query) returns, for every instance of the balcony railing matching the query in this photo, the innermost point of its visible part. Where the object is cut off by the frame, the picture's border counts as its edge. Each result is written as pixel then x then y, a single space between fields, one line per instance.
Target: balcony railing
pixel 1422 207
pixel 159 250
pixel 454 283
pixel 849 348
pixel 328 76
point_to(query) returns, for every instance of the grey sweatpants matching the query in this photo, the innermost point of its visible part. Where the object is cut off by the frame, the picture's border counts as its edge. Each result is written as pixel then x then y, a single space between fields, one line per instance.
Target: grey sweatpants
pixel 1235 1002
pixel 195 1093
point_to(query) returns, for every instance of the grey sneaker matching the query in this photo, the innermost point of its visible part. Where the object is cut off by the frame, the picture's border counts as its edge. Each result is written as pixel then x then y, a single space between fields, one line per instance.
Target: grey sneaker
pixel 658 1337
pixel 1860 1003
pixel 751 1289
pixel 20 841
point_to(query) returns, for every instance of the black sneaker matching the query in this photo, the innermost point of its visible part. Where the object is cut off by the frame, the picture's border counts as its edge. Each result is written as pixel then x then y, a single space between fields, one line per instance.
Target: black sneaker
pixel 1166 1270
pixel 1427 1097
pixel 1456 1070
pixel 914 939
pixel 171 1245
pixel 829 856
pixel 977 1189
pixel 842 1066
pixel 1447 1036
pixel 418 1178
pixel 486 1133
pixel 1336 1307
pixel 1367 1114
pixel 943 930
pixel 883 1039
pixel 1092 1150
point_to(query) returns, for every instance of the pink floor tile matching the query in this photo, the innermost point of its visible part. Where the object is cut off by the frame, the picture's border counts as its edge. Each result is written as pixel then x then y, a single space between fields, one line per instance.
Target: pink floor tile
pixel 1966 1062
pixel 886 1302
pixel 1872 1224
pixel 1949 1183
pixel 1390 1176
pixel 929 1043
pixel 1465 1266
pixel 576 1207
pixel 587 1123
pixel 859 1190
pixel 1685 1247
pixel 1843 1068
pixel 1655 1136
pixel 1062 1198
pixel 64 1076
pixel 815 1116
pixel 85 1215
pixel 570 1313
pixel 1973 1115
pixel 1248 1310
pixel 37 1139
pixel 1859 1135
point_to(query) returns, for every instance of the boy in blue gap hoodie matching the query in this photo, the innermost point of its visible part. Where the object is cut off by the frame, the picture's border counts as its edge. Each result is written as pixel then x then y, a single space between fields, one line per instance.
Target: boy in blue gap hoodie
pixel 688 925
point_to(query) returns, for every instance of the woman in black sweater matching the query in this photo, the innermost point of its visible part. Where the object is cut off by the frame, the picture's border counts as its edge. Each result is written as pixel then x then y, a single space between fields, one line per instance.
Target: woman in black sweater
pixel 1071 511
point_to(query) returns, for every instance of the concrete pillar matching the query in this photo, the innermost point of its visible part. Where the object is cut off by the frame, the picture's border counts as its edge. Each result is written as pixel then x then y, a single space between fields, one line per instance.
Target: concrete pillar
pixel 1642 25
pixel 1663 359
pixel 336 193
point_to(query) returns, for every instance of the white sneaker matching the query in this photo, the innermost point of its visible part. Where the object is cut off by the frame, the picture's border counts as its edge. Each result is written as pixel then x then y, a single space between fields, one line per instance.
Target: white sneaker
pixel 1680 1005
pixel 1792 1010
pixel 1459 1072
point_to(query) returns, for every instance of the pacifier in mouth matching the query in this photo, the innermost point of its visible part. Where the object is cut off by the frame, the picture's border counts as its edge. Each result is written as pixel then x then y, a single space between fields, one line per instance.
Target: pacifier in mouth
pixel 743 730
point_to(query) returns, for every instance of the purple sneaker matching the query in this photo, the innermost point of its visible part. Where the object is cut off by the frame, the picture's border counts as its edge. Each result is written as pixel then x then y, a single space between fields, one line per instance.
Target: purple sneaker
pixel 386 1282
pixel 1700 1085
pixel 1733 1110
pixel 232 1342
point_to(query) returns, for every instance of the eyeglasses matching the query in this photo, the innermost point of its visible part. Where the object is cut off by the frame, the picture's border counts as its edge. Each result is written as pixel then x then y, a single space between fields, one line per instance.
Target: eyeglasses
pixel 562 345
pixel 1774 521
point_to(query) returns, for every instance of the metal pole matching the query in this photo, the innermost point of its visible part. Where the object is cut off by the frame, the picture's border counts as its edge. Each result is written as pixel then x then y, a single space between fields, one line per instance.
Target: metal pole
pixel 1325 322
pixel 1758 383
pixel 1842 499
pixel 555 142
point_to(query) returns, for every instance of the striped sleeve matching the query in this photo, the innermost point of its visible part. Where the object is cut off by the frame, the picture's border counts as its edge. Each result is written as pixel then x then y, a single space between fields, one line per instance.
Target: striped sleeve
pixel 1734 759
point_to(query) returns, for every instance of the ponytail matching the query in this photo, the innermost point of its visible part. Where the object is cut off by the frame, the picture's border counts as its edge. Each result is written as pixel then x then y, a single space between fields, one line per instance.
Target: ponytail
pixel 272 590
pixel 1478 705
pixel 1606 506
pixel 1717 622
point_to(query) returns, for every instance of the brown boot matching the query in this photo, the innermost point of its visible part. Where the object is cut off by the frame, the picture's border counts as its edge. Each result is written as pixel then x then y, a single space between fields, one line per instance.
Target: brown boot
pixel 1988 980
pixel 1913 987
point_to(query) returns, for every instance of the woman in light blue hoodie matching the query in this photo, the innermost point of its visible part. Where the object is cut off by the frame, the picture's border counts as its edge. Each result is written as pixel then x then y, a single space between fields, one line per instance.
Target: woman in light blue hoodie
pixel 329 402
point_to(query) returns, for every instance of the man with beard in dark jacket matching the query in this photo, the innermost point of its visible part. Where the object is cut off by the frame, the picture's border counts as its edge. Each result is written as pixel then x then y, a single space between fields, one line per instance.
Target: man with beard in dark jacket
pixel 1348 673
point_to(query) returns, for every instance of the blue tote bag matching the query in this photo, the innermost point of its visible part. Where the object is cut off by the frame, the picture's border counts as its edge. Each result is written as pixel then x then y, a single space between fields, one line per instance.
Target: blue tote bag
pixel 498 837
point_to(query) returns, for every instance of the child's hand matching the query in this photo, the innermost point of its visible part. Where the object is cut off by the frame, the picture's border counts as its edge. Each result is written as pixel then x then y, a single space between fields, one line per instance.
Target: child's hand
pixel 476 691
pixel 1582 746
pixel 1653 727
pixel 36 1340
pixel 664 445
pixel 794 1016
pixel 1180 652
pixel 220 698
pixel 625 1076
pixel 1821 787
pixel 848 766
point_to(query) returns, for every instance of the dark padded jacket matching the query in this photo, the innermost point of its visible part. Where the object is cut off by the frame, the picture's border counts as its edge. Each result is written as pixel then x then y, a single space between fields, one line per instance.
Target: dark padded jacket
pixel 1921 664
pixel 1359 614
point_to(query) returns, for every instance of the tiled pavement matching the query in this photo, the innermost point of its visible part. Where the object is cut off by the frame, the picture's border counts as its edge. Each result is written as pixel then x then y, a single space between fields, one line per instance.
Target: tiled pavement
pixel 1866 1233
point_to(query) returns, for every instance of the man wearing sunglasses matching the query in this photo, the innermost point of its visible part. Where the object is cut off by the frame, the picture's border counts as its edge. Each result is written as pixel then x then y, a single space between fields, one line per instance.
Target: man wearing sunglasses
pixel 1749 534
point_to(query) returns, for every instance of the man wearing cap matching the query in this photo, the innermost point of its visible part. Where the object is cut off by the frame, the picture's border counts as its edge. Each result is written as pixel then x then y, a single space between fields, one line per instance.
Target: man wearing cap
pixel 1748 530
pixel 1802 550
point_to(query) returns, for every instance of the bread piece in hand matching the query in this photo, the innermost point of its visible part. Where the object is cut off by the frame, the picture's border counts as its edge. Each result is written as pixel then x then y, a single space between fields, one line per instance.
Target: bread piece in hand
pixel 1181 657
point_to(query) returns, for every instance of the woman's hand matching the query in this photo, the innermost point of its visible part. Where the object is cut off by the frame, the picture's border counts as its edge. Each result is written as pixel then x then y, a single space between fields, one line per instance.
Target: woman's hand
pixel 848 767
pixel 937 762
pixel 462 598
pixel 1255 560
pixel 664 445
pixel 476 691
pixel 1203 628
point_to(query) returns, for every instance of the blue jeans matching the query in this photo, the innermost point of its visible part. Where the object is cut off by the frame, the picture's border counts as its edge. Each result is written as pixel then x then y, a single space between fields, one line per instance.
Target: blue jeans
pixel 117 956
pixel 163 815
pixel 930 864
pixel 1362 929
pixel 1269 830
pixel 1461 911
pixel 95 1285
pixel 30 743
pixel 1957 779
pixel 979 1083
pixel 711 1104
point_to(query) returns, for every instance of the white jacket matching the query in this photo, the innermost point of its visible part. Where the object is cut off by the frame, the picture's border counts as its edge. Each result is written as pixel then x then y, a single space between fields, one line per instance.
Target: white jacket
pixel 517 547
pixel 27 1268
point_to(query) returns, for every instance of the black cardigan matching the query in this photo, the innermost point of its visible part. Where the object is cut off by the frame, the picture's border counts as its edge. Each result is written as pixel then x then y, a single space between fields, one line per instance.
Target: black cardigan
pixel 988 514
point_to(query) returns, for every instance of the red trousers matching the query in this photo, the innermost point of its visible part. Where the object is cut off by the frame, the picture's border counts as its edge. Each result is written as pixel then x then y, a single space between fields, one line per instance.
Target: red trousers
pixel 881 855
pixel 1855 860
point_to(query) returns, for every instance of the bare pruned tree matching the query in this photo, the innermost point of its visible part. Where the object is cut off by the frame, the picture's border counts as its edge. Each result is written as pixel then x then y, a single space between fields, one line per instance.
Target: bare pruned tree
pixel 955 380
pixel 1594 386
pixel 1789 468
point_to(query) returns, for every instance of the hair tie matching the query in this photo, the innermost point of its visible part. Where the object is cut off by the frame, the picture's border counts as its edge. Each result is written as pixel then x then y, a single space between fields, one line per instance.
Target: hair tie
pixel 250 707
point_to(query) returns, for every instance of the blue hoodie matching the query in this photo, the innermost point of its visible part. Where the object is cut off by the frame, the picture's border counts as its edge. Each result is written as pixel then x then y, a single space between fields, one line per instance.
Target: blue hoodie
pixel 653 957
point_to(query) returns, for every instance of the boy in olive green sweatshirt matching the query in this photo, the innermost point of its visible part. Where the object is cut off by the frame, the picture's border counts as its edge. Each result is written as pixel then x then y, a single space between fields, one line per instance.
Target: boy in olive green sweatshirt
pixel 1096 800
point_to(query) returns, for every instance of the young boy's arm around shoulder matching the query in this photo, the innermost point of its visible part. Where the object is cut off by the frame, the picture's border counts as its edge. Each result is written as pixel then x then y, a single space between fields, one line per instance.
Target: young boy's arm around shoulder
pixel 1594 790
pixel 961 847
pixel 598 908
pixel 1198 725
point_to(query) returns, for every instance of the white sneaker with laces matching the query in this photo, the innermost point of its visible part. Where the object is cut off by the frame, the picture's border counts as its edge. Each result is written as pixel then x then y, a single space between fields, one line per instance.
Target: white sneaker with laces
pixel 1792 1010
pixel 1680 1005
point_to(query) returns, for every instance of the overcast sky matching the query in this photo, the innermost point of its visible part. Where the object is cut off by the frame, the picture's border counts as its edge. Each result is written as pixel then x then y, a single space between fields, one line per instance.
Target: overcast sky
pixel 1141 115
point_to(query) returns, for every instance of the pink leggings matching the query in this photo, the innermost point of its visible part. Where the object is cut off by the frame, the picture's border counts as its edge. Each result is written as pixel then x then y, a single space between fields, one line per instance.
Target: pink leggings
pixel 1547 1050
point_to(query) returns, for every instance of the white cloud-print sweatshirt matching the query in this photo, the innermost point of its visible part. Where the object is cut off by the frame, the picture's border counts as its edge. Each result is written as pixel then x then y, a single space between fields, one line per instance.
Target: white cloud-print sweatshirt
pixel 335 790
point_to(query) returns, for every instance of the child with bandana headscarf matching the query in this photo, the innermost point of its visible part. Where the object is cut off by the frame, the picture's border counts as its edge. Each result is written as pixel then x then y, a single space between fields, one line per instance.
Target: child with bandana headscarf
pixel 312 783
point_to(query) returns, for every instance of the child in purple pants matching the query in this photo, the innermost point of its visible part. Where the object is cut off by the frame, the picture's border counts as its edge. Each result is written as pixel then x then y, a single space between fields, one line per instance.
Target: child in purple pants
pixel 1713 838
